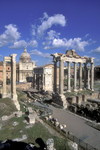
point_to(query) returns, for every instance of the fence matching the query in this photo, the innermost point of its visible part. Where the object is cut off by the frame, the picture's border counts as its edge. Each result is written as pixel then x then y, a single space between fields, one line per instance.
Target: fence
pixel 81 145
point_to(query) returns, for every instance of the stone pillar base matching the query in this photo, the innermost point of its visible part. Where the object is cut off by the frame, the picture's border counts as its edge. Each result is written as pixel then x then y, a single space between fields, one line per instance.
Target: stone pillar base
pixel 4 95
pixel 92 90
pixel 14 96
pixel 15 100
pixel 68 90
pixel 80 89
pixel 60 99
pixel 75 90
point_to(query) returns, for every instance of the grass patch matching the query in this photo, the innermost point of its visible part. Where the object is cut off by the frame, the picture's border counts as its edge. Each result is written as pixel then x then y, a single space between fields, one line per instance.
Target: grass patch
pixel 38 130
pixel 83 92
pixel 7 107
pixel 9 131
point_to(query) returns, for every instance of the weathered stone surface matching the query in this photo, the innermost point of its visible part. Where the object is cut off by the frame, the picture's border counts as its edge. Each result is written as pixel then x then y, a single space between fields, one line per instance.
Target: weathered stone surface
pixel 0 126
pixel 15 123
pixel 24 137
pixel 73 145
pixel 18 113
pixel 4 118
pixel 31 118
pixel 78 70
pixel 30 109
pixel 60 99
pixel 50 144
pixel 13 94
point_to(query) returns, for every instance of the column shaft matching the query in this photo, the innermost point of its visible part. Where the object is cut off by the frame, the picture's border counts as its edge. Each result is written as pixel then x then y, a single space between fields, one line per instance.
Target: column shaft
pixel 55 76
pixel 75 76
pixel 13 77
pixel 68 79
pixel 61 76
pixel 92 76
pixel 80 76
pixel 85 76
pixel 88 78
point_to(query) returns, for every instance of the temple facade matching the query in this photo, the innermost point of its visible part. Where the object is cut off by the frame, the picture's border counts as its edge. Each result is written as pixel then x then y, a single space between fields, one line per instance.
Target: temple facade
pixel 83 74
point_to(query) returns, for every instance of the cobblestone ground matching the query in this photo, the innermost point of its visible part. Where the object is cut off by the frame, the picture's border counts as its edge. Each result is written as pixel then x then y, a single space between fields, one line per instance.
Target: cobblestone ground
pixel 77 126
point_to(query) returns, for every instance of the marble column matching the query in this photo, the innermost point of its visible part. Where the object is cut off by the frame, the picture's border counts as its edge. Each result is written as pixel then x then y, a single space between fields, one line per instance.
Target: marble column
pixel 61 76
pixel 55 76
pixel 75 76
pixel 80 76
pixel 13 77
pixel 85 76
pixel 4 92
pixel 68 80
pixel 92 76
pixel 88 78
pixel 13 81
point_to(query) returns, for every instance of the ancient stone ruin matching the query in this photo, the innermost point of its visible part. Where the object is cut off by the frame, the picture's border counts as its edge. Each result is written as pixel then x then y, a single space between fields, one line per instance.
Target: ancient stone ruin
pixel 84 65
pixel 11 59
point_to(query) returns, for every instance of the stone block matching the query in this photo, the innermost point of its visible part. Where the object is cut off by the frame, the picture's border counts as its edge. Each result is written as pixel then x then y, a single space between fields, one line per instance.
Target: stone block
pixel 18 113
pixel 4 118
pixel 31 119
pixel 50 144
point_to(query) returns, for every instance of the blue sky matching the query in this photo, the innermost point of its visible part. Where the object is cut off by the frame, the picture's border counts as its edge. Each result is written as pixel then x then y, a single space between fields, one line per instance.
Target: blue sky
pixel 50 26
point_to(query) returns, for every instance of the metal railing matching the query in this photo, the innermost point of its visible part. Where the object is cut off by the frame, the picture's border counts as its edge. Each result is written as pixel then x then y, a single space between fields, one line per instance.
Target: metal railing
pixel 81 144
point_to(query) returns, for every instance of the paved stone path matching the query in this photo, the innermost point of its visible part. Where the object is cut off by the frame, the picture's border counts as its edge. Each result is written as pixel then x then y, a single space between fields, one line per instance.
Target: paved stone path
pixel 77 126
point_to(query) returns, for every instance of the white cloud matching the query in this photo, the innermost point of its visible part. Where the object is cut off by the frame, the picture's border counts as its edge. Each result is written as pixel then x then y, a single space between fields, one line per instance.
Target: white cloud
pixel 39 53
pixel 33 43
pixel 48 22
pixel 10 35
pixel 97 50
pixel 19 44
pixel 34 30
pixel 52 34
pixel 75 43
pixel 22 44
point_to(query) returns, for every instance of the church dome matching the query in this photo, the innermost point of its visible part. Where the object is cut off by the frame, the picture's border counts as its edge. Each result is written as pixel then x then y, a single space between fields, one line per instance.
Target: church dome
pixel 25 57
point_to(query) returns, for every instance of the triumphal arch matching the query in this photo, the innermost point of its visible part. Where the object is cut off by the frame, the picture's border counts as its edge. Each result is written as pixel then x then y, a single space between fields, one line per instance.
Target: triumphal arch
pixel 12 60
pixel 82 69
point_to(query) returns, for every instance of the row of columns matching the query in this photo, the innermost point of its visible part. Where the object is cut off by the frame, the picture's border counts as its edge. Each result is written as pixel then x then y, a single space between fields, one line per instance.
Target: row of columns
pixel 61 76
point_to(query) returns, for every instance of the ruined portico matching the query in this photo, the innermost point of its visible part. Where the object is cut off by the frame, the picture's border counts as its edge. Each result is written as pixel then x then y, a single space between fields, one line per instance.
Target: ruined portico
pixel 82 66
pixel 11 59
